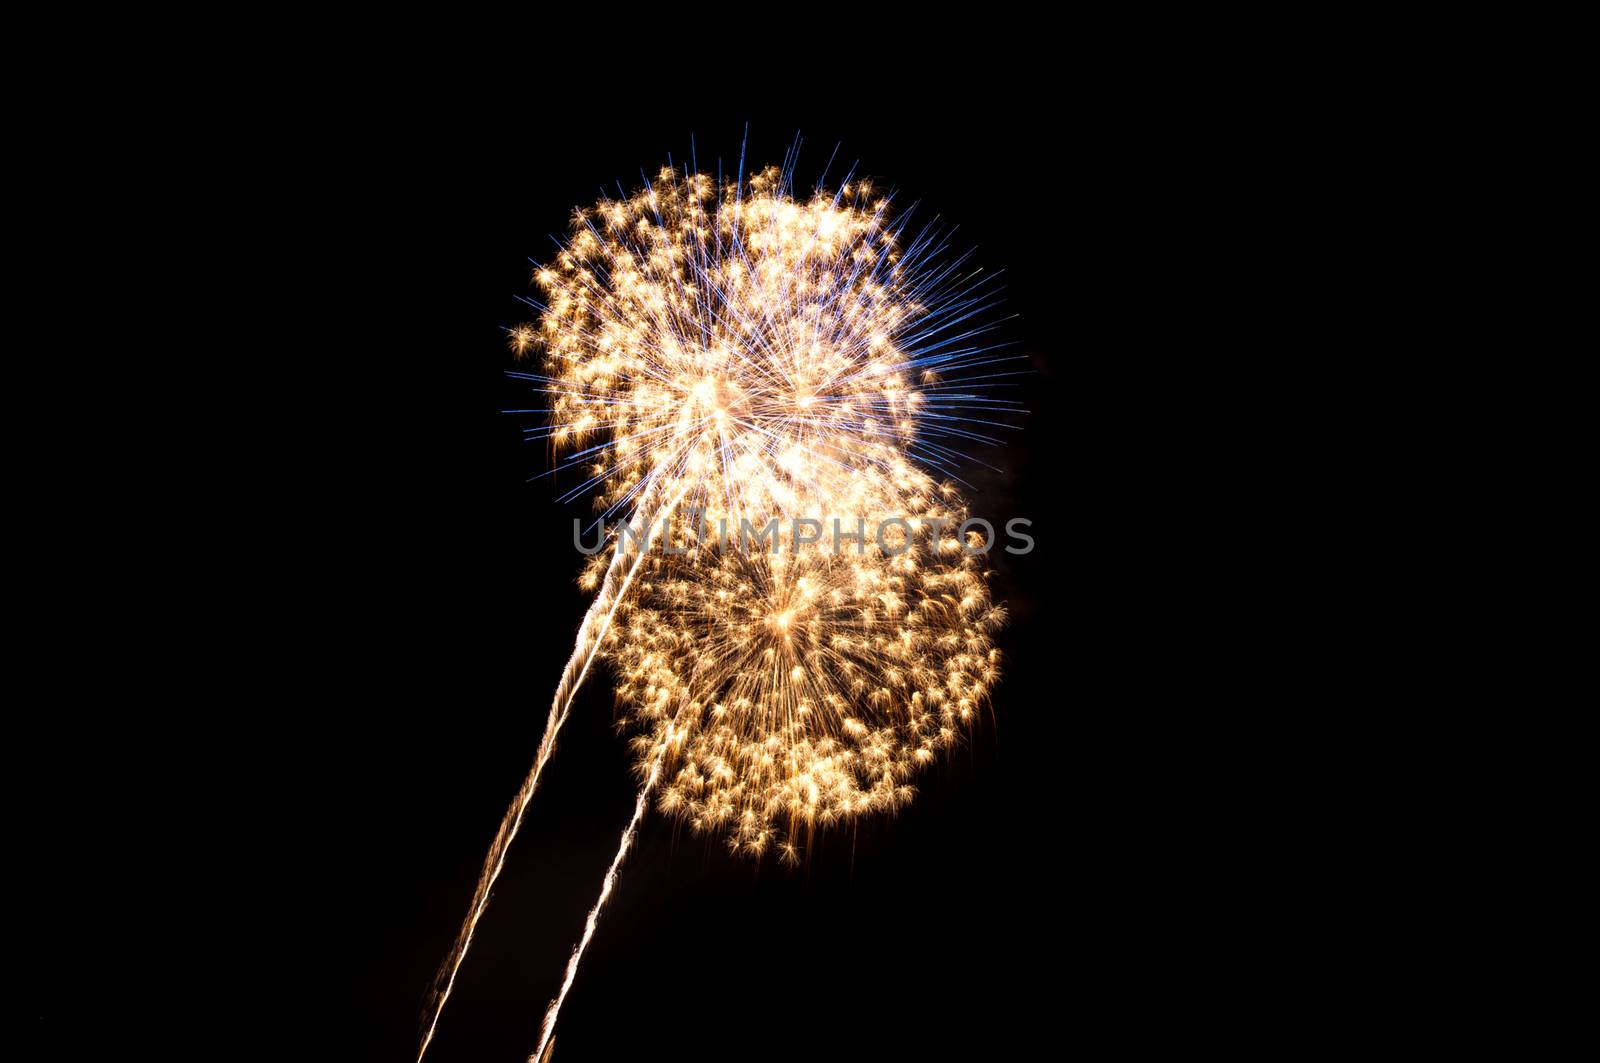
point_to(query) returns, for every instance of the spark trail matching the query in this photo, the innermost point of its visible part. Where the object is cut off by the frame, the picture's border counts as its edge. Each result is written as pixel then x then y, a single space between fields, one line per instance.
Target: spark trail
pixel 591 633
pixel 554 1010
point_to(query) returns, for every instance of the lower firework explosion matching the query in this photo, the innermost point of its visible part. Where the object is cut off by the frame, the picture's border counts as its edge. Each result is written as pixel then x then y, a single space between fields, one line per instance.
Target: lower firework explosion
pixel 792 691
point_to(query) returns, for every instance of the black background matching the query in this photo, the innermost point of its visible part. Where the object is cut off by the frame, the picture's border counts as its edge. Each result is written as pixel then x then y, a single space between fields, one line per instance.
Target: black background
pixel 1053 874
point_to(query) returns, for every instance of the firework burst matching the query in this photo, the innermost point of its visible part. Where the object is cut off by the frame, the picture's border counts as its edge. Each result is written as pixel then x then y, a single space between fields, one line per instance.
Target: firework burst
pixel 759 346
pixel 784 693
pixel 734 357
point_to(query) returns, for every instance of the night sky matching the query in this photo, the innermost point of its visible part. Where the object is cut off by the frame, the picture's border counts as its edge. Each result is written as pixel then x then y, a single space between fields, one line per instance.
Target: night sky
pixel 1034 885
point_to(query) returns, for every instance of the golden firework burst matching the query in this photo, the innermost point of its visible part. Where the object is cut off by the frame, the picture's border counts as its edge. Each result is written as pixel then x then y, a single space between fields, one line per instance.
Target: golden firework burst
pixel 786 692
pixel 729 362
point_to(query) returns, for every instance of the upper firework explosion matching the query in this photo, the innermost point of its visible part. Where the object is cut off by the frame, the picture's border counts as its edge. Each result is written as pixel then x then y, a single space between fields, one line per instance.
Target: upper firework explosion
pixel 764 347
